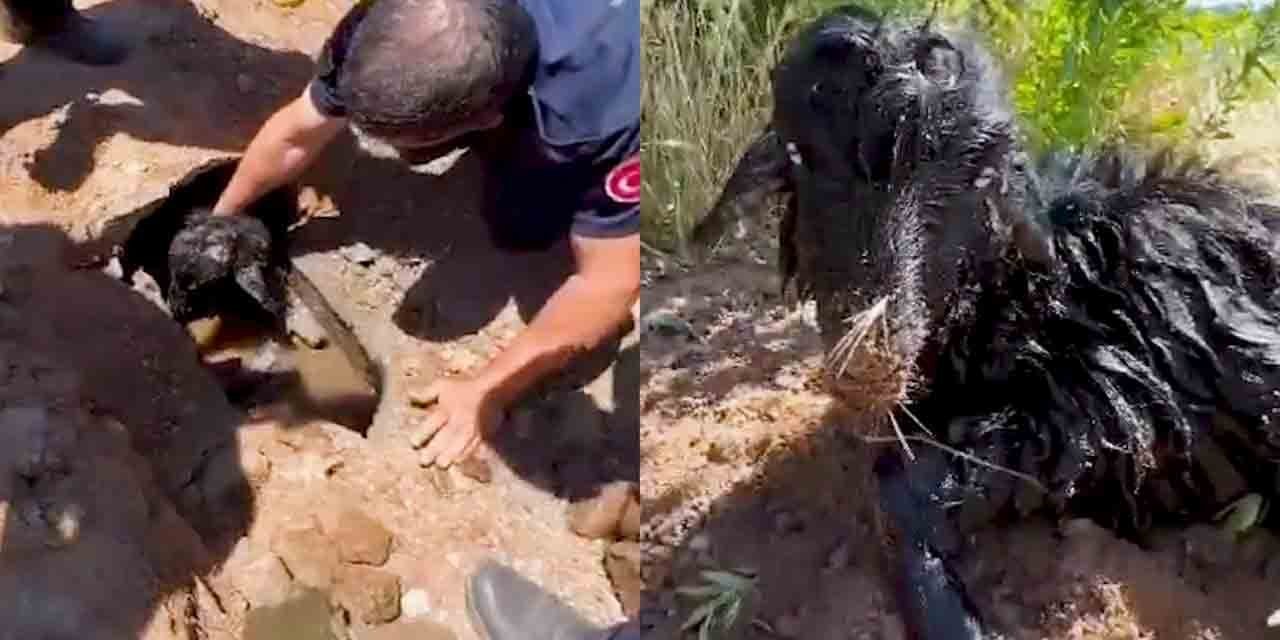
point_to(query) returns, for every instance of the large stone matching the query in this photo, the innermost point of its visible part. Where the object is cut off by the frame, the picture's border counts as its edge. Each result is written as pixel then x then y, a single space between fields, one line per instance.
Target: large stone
pixel 622 564
pixel 409 630
pixel 360 538
pixel 305 617
pixel 309 555
pixel 369 595
pixel 264 581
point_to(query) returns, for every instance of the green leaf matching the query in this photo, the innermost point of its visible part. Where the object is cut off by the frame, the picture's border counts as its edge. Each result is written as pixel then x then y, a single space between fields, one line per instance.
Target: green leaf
pixel 1266 72
pixel 728 580
pixel 699 614
pixel 731 613
pixel 703 591
pixel 1243 514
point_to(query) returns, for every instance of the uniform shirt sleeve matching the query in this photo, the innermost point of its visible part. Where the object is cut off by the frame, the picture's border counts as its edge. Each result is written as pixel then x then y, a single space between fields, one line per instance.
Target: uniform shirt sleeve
pixel 323 89
pixel 610 203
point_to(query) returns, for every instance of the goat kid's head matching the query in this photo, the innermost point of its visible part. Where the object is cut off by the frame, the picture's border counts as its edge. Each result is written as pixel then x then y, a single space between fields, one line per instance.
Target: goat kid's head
pixel 903 139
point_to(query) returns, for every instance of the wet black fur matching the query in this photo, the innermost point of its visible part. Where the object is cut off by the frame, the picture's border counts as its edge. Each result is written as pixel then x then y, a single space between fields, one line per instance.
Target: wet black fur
pixel 1107 324
pixel 173 244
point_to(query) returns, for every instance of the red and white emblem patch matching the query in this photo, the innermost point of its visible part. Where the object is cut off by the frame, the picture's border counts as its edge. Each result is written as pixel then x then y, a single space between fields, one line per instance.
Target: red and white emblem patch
pixel 623 183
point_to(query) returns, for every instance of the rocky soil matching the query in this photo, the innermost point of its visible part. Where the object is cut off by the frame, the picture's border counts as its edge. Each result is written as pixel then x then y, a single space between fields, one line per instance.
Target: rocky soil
pixel 136 501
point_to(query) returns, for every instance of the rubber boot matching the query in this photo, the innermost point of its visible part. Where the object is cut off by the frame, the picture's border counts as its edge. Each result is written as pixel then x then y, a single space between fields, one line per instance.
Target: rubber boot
pixel 55 25
pixel 506 606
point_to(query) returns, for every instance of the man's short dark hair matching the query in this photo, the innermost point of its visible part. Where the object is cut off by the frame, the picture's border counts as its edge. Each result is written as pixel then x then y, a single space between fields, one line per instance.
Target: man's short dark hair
pixel 434 64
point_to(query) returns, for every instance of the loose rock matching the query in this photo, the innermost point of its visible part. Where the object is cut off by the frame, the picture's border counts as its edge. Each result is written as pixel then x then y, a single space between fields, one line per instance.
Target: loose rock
pixel 415 603
pixel 309 556
pixel 307 616
pixel 360 538
pixel 369 595
pixel 409 630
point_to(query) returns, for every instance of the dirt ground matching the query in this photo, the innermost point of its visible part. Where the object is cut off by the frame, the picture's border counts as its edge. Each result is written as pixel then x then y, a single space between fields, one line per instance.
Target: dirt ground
pixel 745 465
pixel 157 509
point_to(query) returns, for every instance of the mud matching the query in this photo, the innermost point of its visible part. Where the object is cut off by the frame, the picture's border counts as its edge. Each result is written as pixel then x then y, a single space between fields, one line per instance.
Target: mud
pixel 259 372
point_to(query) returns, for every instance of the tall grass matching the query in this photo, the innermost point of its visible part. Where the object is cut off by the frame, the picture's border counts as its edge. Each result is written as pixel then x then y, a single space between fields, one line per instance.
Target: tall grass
pixel 1082 72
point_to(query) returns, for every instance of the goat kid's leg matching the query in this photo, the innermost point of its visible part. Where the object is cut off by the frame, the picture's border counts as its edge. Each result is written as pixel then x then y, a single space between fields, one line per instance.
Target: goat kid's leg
pixel 914 497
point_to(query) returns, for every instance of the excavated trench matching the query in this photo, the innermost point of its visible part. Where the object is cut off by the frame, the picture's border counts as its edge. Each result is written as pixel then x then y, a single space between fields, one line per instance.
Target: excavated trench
pixel 315 368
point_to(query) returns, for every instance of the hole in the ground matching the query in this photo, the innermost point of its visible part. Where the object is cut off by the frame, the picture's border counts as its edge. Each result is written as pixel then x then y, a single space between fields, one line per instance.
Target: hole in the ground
pixel 315 369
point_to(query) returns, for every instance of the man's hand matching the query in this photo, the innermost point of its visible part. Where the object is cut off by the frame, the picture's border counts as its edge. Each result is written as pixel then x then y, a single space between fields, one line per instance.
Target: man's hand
pixel 281 151
pixel 588 308
pixel 461 412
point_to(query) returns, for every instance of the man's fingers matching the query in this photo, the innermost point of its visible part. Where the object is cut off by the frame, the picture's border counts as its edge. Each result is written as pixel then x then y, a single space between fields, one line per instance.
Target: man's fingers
pixel 470 450
pixel 431 455
pixel 424 397
pixel 453 453
pixel 428 428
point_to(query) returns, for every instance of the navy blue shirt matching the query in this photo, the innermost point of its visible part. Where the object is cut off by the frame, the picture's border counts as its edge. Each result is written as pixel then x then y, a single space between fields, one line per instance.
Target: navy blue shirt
pixel 575 159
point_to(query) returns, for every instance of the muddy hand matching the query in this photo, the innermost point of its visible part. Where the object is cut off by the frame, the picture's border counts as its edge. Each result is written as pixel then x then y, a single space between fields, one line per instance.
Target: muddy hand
pixel 932 598
pixel 460 413
pixel 220 253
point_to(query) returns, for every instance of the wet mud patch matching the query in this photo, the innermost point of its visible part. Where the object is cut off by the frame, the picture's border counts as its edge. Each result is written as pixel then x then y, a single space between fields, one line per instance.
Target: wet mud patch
pixel 312 367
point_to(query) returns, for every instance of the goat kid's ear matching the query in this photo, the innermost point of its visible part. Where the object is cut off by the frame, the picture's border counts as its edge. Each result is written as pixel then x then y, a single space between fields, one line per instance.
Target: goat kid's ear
pixel 763 171
pixel 264 286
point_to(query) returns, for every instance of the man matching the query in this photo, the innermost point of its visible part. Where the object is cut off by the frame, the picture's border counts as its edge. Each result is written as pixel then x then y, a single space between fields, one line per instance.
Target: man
pixel 548 91
pixel 503 605
pixel 55 25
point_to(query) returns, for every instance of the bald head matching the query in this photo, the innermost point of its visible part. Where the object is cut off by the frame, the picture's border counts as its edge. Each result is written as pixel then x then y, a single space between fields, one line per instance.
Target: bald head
pixel 435 66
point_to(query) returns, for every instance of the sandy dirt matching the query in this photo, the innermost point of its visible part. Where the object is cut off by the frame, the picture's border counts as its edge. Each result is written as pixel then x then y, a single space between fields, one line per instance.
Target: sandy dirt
pixel 746 465
pixel 402 257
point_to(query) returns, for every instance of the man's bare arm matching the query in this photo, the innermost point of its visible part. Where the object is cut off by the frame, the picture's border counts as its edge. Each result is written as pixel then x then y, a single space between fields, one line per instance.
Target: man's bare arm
pixel 283 149
pixel 588 309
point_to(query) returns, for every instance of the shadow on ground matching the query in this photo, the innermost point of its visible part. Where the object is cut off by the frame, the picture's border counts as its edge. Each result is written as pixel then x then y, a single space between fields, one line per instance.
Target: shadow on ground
pixel 183 70
pixel 119 466
pixel 463 283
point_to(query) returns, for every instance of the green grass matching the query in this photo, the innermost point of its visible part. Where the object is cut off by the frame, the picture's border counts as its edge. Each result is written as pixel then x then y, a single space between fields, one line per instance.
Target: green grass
pixel 722 600
pixel 1082 72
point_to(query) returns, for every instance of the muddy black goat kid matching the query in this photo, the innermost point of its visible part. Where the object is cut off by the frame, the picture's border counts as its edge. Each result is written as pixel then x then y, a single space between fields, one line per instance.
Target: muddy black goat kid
pixel 1104 329
pixel 206 264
